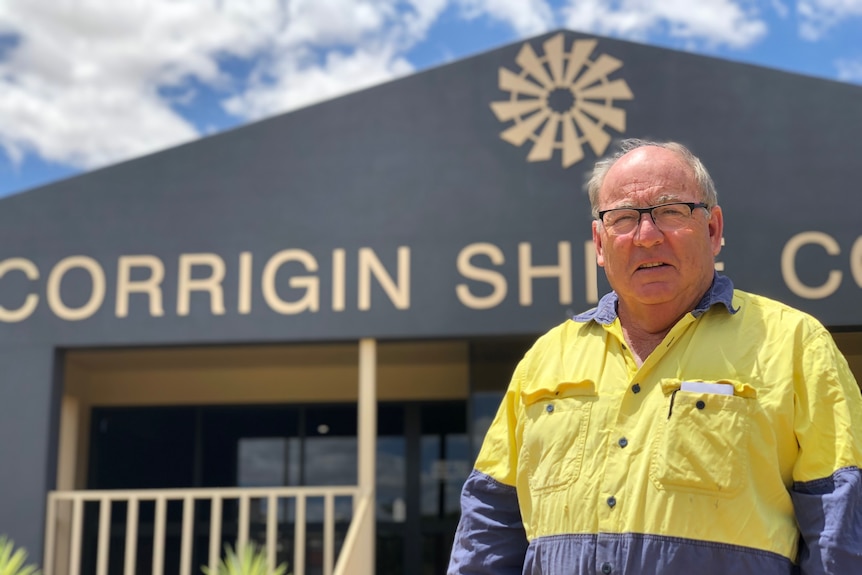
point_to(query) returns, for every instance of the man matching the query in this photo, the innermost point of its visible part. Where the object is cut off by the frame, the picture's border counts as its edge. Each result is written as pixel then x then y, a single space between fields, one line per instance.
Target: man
pixel 679 427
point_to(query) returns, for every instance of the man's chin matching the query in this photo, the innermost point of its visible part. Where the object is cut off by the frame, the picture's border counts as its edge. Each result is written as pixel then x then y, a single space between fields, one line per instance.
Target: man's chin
pixel 656 293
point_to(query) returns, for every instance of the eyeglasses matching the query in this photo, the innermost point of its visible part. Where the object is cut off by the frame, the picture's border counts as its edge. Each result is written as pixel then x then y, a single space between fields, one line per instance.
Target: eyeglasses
pixel 666 217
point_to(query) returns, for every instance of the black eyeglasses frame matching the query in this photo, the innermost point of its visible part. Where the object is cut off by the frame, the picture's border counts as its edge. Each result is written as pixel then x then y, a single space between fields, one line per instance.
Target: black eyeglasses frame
pixel 648 210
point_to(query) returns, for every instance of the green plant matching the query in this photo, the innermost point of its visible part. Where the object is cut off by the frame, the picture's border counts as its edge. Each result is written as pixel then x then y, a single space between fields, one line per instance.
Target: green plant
pixel 248 560
pixel 12 560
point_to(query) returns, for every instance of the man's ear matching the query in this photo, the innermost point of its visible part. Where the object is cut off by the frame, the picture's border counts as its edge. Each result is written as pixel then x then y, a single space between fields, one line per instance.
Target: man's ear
pixel 716 229
pixel 597 242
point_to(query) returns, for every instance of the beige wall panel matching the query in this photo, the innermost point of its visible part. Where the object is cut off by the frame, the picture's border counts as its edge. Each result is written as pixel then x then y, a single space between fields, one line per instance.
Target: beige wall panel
pixel 266 374
pixel 221 386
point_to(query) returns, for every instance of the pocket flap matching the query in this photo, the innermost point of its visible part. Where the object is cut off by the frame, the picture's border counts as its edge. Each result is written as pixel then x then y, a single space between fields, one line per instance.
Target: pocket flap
pixel 542 392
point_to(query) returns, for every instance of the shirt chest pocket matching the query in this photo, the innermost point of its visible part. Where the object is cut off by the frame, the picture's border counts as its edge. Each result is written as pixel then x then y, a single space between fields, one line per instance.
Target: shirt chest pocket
pixel 556 421
pixel 701 441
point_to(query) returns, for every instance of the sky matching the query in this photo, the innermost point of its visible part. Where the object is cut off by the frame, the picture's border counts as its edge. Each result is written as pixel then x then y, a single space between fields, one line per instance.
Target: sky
pixel 89 83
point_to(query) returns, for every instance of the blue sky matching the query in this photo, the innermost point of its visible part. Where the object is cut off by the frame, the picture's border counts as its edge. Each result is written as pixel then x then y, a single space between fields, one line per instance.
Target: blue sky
pixel 89 83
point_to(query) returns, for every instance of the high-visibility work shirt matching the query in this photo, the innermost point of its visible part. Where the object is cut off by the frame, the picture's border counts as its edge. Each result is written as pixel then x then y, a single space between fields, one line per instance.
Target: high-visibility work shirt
pixel 740 432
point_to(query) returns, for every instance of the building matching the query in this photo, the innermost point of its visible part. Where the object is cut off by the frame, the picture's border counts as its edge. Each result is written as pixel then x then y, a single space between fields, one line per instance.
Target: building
pixel 221 332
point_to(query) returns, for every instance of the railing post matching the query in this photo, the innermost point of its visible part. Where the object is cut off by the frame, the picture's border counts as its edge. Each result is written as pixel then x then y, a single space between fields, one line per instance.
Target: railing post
pixel 299 526
pixel 104 535
pixel 328 534
pixel 159 534
pixel 77 528
pixel 50 536
pixel 242 527
pixel 271 530
pixel 131 536
pixel 367 446
pixel 215 531
pixel 188 535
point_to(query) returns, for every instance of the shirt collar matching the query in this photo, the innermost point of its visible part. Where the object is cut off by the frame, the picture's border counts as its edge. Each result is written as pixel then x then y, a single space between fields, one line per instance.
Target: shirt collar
pixel 719 292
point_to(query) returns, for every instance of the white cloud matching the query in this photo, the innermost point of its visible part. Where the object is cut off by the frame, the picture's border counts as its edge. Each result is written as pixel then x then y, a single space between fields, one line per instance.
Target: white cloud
pixel 526 17
pixel 849 70
pixel 327 48
pixel 331 47
pixel 729 23
pixel 366 47
pixel 82 87
pixel 287 84
pixel 817 17
pixel 86 126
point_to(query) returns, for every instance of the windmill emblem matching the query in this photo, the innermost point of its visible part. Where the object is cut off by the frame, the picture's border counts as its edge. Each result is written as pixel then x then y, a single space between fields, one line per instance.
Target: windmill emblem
pixel 562 100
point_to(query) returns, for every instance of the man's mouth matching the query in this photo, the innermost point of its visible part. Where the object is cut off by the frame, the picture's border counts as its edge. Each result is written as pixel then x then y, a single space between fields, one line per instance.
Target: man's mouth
pixel 650 265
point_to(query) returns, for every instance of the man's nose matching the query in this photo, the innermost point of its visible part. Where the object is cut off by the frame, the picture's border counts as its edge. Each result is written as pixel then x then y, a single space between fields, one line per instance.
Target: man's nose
pixel 647 232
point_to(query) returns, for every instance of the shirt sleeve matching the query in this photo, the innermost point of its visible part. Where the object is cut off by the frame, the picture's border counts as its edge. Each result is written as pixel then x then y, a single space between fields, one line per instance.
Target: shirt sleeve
pixel 490 539
pixel 827 487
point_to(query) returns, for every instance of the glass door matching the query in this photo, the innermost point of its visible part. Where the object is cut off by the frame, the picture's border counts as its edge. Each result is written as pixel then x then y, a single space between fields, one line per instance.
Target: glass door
pixel 422 461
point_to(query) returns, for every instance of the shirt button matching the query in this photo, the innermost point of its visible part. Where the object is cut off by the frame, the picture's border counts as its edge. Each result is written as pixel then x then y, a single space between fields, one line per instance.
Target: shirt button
pixel 606 568
pixel 636 388
pixel 612 501
pixel 623 441
pixel 549 408
pixel 700 404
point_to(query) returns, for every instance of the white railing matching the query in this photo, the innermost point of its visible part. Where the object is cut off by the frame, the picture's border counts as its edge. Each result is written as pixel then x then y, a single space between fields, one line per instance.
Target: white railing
pixel 65 526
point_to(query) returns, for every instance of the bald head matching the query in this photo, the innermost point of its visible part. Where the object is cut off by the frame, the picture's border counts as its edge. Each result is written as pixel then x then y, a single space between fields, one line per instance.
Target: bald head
pixel 706 187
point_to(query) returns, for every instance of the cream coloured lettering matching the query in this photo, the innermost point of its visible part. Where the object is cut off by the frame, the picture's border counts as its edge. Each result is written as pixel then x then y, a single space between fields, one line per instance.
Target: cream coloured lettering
pixel 31 300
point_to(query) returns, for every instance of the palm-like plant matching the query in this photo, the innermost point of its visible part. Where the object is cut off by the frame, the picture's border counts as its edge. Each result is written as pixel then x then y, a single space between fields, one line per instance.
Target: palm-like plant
pixel 248 560
pixel 12 560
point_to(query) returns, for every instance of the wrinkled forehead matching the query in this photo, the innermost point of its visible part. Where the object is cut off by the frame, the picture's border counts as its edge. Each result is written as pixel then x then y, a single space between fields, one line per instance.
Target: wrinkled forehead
pixel 648 176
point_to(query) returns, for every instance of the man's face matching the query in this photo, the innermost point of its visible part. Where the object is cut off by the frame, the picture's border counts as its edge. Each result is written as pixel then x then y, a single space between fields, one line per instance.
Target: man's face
pixel 649 266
